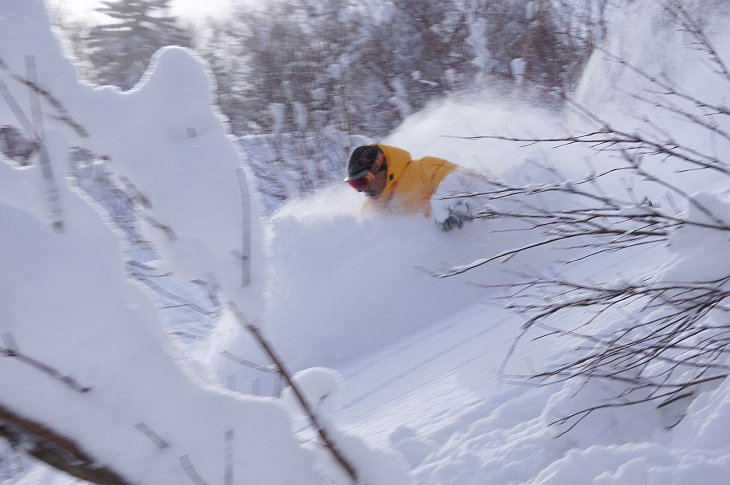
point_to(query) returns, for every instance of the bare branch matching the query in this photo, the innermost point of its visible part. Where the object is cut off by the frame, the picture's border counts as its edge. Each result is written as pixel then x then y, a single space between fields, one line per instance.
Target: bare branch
pixel 316 424
pixel 153 437
pixel 691 25
pixel 248 363
pixel 11 350
pixel 664 355
pixel 54 449
pixel 190 471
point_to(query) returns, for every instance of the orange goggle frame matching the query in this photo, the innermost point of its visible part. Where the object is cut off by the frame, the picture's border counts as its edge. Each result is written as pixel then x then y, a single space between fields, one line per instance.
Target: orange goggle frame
pixel 362 180
pixel 365 179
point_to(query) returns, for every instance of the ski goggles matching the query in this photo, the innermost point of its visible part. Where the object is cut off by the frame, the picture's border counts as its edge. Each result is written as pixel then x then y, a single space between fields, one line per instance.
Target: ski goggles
pixel 365 179
pixel 361 180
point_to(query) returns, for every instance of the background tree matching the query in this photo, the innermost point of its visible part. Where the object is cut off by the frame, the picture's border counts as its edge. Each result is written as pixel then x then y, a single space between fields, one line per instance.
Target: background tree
pixel 302 82
pixel 120 50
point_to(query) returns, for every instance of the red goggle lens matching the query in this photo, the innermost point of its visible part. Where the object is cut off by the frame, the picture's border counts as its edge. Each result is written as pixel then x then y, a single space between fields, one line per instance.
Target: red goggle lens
pixel 361 182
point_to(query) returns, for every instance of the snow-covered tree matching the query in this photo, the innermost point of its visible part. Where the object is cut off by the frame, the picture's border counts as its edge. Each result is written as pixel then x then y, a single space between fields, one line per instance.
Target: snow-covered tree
pixel 121 49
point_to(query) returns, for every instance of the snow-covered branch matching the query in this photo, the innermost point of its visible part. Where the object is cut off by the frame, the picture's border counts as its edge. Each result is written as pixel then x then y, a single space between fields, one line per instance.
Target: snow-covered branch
pixel 322 431
pixel 45 444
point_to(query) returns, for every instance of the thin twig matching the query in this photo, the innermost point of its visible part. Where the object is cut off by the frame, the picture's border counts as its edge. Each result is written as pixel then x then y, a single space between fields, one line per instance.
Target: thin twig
pixel 314 420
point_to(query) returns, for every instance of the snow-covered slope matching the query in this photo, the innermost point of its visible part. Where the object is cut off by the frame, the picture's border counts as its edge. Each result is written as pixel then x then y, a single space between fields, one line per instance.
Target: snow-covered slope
pixel 422 359
pixel 406 369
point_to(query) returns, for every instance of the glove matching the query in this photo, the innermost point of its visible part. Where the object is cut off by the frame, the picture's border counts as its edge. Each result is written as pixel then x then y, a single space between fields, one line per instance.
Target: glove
pixel 456 215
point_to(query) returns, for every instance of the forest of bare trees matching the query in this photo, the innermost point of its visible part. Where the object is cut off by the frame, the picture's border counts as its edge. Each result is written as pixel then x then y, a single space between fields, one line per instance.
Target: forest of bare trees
pixel 302 82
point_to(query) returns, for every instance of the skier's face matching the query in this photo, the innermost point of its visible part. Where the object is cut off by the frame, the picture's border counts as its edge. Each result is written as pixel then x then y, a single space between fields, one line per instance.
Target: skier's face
pixel 376 188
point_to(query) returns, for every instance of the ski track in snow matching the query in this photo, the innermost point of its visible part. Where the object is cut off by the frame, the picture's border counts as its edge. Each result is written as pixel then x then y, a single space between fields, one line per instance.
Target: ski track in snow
pixel 396 355
pixel 443 376
pixel 463 359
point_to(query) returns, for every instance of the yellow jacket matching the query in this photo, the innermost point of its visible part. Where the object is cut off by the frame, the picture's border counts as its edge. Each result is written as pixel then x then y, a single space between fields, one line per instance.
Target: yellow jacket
pixel 410 183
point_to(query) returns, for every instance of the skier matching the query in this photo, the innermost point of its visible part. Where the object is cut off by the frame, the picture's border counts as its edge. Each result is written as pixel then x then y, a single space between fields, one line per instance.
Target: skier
pixel 394 182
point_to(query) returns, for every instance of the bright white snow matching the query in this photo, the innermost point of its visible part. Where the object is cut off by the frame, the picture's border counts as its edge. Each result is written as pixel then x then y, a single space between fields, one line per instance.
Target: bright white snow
pixel 403 367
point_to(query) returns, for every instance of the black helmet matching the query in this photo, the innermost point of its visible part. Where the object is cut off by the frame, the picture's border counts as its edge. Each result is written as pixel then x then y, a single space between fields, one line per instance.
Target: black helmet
pixel 362 158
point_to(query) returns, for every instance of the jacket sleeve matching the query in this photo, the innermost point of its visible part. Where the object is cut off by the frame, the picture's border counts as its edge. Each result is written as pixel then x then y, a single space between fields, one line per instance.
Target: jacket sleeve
pixel 435 170
pixel 447 199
